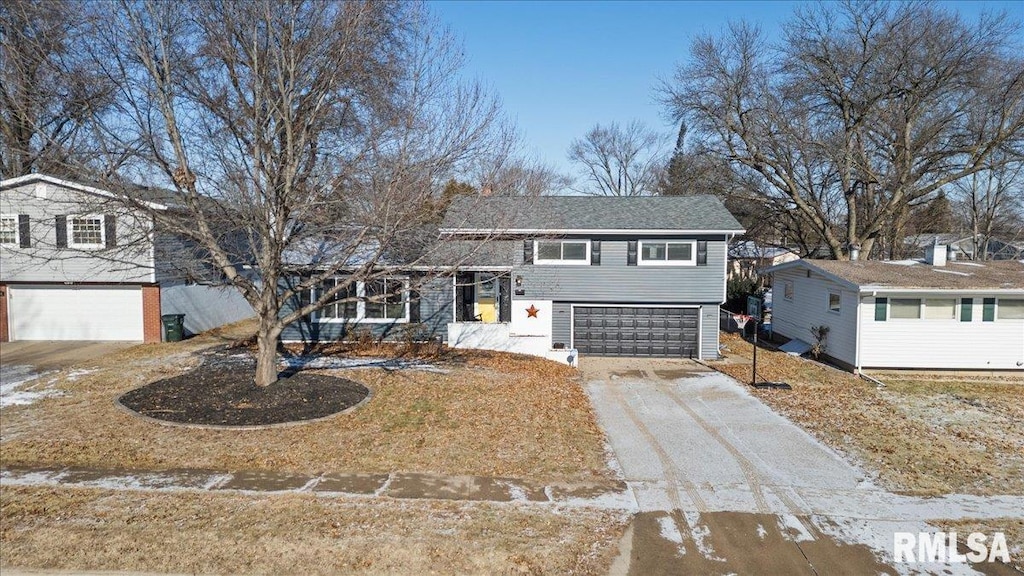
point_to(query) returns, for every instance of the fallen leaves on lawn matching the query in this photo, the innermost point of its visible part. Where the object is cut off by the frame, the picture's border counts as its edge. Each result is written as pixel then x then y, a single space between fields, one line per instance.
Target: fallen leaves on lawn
pixel 889 431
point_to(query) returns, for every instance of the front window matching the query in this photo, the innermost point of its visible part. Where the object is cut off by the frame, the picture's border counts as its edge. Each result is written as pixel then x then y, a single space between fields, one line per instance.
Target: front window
pixel 8 229
pixel 1011 309
pixel 940 308
pixel 905 308
pixel 381 300
pixel 668 253
pixel 85 231
pixel 563 252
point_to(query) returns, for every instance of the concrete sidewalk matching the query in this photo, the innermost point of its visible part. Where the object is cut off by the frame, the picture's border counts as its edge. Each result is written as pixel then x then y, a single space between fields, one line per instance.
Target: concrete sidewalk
pixel 602 494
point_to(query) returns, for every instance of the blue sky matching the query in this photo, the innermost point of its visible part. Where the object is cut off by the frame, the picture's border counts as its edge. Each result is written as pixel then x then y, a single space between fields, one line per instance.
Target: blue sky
pixel 561 67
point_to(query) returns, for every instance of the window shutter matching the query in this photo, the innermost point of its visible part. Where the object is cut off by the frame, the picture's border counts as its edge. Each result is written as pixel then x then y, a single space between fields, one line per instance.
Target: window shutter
pixel 24 234
pixel 631 253
pixel 110 229
pixel 880 309
pixel 966 309
pixel 505 299
pixel 414 305
pixel 527 251
pixel 702 252
pixel 595 252
pixel 988 311
pixel 62 231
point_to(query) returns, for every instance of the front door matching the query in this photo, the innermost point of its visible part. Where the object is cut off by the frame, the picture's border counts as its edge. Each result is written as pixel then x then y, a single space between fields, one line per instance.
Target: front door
pixel 487 297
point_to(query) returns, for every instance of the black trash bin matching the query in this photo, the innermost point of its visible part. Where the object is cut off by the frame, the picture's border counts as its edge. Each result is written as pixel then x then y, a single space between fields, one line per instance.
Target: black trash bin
pixel 174 327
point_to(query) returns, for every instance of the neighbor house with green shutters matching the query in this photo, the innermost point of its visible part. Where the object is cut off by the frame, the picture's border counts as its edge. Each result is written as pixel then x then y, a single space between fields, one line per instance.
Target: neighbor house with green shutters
pixel 929 314
pixel 608 276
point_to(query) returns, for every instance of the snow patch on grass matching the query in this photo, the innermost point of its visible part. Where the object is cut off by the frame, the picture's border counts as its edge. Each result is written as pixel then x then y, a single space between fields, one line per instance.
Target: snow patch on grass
pixel 21 386
pixel 332 363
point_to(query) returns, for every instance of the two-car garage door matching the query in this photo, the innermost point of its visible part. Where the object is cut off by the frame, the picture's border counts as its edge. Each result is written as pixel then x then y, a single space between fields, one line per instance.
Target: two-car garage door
pixel 623 331
pixel 75 312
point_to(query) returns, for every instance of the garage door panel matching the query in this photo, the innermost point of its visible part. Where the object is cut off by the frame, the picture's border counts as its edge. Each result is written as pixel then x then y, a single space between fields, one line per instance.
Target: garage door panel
pixel 75 312
pixel 636 331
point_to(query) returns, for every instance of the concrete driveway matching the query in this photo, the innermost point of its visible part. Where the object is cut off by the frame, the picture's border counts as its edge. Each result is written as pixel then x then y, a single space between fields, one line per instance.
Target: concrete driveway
pixel 23 362
pixel 724 485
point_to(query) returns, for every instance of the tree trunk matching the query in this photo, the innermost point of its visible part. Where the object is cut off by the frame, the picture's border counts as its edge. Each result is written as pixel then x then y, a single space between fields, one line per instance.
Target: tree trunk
pixel 266 355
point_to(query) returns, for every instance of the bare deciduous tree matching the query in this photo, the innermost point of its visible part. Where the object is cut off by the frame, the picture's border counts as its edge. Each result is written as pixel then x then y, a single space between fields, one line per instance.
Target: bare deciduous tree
pixel 990 204
pixel 863 109
pixel 619 161
pixel 308 137
pixel 47 90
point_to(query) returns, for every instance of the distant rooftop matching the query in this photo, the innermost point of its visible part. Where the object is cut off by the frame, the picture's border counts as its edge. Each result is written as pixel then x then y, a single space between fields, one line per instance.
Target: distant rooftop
pixel 589 213
pixel 991 275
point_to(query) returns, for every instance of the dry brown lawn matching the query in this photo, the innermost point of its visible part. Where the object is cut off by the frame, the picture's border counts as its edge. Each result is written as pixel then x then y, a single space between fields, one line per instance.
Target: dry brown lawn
pixel 919 435
pixel 490 414
pixel 189 532
pixel 1012 529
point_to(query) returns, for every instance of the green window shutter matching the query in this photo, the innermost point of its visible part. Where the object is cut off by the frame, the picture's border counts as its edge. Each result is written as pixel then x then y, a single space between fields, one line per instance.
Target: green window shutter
pixel 881 305
pixel 966 309
pixel 988 311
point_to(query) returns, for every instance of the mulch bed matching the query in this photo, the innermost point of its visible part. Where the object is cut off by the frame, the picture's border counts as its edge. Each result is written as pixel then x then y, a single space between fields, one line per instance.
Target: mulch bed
pixel 225 395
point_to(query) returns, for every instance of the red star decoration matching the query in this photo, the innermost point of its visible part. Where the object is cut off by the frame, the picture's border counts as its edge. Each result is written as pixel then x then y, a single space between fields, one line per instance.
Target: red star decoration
pixel 531 312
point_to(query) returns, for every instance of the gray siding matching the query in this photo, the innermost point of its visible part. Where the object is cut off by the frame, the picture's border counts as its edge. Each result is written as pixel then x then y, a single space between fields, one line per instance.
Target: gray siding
pixel 709 331
pixel 130 261
pixel 809 307
pixel 561 323
pixel 615 282
pixel 205 307
pixel 435 306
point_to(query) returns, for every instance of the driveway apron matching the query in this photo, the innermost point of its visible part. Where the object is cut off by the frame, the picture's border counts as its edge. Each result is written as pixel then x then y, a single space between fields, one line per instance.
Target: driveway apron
pixel 723 484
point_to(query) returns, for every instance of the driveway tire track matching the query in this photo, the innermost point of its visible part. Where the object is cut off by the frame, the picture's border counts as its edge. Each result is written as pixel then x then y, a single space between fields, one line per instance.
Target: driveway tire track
pixel 667 465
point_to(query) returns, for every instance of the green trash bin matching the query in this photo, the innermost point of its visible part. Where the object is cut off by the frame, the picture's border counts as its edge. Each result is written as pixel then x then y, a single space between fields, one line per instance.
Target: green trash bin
pixel 174 327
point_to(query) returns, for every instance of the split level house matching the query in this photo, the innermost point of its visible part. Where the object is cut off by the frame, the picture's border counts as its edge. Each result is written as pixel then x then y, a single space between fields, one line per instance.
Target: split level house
pixel 77 265
pixel 550 275
pixel 910 314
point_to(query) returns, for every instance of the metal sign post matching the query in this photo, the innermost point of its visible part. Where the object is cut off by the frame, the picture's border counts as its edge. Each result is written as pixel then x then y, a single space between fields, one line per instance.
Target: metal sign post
pixel 754 311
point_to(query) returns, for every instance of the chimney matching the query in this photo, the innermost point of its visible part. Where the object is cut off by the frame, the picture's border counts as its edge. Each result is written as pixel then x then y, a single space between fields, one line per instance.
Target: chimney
pixel 854 252
pixel 935 254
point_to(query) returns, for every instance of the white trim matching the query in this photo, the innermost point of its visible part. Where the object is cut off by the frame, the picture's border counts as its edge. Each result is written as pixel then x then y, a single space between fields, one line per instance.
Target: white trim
pixel 17 230
pixel 882 290
pixel 692 261
pixel 69 229
pixel 27 178
pixel 698 307
pixel 588 231
pixel 560 262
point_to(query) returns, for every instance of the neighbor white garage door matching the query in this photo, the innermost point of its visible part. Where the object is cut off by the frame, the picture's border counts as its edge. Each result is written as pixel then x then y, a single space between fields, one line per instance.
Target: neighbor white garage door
pixel 75 312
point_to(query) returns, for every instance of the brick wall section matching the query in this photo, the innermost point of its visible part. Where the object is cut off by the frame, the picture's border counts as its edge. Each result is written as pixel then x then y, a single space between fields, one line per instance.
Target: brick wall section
pixel 5 334
pixel 152 328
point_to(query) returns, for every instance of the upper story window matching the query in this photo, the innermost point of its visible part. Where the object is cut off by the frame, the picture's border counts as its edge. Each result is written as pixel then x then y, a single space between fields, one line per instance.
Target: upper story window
pixel 380 300
pixel 86 231
pixel 562 252
pixel 657 253
pixel 9 229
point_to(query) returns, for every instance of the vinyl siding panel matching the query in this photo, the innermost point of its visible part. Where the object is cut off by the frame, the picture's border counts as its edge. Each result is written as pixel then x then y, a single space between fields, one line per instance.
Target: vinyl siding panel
pixel 130 261
pixel 809 307
pixel 614 281
pixel 561 323
pixel 709 332
pixel 941 344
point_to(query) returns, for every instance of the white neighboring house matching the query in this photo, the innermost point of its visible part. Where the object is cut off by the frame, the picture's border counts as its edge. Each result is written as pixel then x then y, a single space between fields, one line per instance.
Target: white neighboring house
pixel 76 266
pixel 747 258
pixel 909 314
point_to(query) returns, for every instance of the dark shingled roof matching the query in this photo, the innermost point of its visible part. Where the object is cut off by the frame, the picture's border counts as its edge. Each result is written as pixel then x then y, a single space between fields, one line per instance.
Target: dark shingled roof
pixel 560 213
pixel 992 275
pixel 473 253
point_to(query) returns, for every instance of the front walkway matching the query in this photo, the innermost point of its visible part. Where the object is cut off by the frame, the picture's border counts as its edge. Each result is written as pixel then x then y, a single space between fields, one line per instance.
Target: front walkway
pixel 724 484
